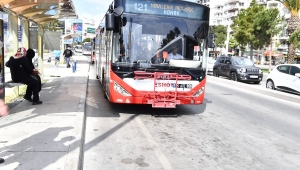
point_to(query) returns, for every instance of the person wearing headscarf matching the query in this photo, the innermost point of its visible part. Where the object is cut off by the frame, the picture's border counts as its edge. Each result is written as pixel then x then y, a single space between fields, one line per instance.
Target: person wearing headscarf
pixel 21 71
pixel 30 54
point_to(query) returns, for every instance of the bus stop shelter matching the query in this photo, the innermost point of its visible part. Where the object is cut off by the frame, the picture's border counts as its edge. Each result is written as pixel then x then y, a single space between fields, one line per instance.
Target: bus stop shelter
pixel 21 15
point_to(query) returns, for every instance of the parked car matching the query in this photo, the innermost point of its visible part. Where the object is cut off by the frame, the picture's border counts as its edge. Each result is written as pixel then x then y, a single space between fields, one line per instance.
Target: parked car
pixel 210 65
pixel 87 50
pixel 78 49
pixel 285 77
pixel 237 69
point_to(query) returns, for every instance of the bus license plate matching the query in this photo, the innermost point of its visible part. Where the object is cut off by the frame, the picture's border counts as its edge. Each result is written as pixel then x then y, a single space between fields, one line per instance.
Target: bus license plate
pixel 185 86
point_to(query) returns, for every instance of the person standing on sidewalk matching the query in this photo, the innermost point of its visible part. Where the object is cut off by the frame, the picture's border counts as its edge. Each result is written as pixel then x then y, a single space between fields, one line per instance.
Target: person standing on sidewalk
pixel 68 54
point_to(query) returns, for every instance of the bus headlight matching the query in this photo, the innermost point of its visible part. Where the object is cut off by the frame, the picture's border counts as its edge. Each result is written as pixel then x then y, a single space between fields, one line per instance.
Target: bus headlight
pixel 120 90
pixel 198 93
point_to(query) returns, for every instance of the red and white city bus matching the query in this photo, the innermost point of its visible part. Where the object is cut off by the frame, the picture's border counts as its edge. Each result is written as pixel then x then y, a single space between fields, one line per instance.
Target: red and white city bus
pixel 153 52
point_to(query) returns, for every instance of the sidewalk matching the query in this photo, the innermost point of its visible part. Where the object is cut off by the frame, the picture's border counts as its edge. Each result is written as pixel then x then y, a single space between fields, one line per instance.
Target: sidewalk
pixel 47 136
pixel 264 66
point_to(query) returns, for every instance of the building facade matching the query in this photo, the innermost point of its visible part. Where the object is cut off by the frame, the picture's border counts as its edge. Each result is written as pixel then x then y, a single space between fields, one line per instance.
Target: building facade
pixel 223 13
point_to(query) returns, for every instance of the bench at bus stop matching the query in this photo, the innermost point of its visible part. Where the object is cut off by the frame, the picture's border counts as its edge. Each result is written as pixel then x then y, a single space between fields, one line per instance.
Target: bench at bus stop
pixel 11 84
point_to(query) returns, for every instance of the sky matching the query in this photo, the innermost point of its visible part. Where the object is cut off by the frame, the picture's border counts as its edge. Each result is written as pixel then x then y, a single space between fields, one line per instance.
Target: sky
pixel 94 9
pixel 91 9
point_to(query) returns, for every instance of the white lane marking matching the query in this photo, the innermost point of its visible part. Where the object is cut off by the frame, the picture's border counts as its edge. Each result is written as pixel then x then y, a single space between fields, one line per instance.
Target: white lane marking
pixel 158 152
pixel 51 90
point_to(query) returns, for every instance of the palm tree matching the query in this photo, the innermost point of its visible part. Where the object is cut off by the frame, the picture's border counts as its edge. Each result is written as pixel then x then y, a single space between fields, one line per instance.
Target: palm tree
pixel 293 24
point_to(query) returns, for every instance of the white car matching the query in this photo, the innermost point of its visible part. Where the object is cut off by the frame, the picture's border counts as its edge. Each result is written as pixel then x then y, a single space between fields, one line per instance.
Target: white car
pixel 210 65
pixel 87 51
pixel 78 49
pixel 285 77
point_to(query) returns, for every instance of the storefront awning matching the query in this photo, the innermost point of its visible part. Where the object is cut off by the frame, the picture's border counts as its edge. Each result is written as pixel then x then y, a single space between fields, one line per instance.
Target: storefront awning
pixel 273 53
pixel 70 36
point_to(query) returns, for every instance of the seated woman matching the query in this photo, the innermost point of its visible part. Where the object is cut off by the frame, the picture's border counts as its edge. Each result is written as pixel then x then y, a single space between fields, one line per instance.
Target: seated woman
pixel 30 54
pixel 22 72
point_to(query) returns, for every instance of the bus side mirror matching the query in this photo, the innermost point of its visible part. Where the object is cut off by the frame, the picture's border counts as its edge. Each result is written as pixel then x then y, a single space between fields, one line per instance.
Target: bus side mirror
pixel 118 11
pixel 110 21
pixel 110 17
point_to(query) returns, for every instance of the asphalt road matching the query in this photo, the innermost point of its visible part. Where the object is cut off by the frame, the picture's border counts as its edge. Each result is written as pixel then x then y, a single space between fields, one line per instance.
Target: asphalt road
pixel 262 83
pixel 237 127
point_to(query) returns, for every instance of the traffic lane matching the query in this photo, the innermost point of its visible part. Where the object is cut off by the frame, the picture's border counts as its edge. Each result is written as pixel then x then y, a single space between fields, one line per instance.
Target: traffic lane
pixel 263 81
pixel 259 89
pixel 238 130
pixel 261 85
pixel 220 134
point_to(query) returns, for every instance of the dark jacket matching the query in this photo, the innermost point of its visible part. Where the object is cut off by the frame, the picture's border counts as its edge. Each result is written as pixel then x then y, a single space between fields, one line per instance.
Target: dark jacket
pixel 68 53
pixel 30 55
pixel 19 68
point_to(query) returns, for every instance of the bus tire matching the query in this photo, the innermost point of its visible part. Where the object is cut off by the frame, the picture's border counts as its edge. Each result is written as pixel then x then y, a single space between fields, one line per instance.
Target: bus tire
pixel 105 96
pixel 97 77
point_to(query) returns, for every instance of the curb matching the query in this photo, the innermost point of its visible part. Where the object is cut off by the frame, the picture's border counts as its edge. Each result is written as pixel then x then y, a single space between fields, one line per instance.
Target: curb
pixel 74 159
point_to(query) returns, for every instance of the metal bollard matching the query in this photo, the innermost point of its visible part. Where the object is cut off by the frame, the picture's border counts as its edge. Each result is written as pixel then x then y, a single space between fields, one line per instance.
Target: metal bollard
pixel 74 66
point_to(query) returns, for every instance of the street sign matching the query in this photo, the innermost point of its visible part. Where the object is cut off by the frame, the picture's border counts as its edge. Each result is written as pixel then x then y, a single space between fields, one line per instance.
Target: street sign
pixel 91 30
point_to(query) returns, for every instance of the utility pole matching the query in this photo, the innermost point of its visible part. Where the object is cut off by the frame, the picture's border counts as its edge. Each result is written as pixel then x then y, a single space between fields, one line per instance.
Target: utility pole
pixel 227 39
pixel 270 54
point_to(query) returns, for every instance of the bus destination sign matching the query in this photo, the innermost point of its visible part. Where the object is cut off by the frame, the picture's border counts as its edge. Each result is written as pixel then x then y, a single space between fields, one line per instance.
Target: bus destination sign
pixel 164 8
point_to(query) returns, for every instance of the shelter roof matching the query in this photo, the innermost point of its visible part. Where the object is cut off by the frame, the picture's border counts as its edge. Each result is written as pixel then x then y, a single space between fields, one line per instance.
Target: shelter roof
pixel 40 11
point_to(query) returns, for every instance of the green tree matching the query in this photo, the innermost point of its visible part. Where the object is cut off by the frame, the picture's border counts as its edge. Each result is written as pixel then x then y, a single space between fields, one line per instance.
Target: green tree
pixel 220 32
pixel 86 40
pixel 268 23
pixel 243 27
pixel 53 25
pixel 295 39
pixel 233 43
pixel 293 24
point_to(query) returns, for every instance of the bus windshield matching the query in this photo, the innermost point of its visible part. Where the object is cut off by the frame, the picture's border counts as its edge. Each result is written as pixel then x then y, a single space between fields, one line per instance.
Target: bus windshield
pixel 156 40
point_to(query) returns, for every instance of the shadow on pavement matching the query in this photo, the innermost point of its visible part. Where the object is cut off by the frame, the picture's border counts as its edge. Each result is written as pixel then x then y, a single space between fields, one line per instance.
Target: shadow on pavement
pixel 34 153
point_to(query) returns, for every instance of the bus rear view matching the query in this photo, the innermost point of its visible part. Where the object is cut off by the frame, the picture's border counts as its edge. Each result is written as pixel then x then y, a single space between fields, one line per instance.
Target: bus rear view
pixel 153 52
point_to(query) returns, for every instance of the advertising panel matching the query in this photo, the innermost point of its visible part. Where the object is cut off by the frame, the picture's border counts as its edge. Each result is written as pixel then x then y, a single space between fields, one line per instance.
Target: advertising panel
pixel 73 26
pixel 7 36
